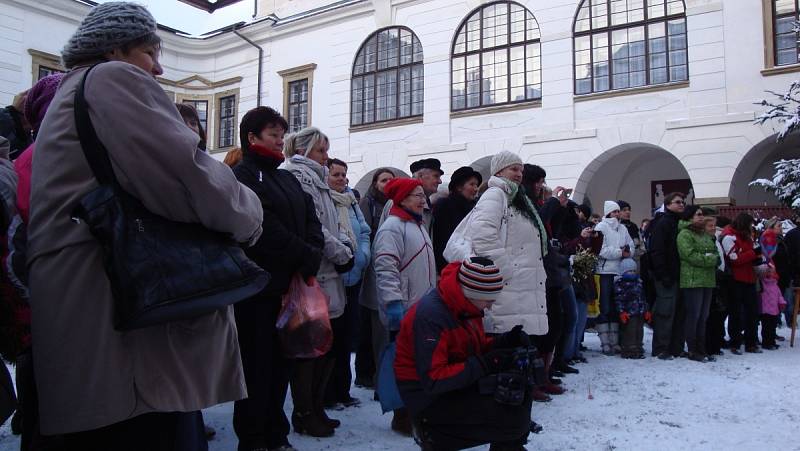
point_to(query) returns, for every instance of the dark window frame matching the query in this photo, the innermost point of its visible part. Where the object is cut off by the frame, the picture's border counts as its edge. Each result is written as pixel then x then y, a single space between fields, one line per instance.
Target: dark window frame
pixel 193 103
pixel 507 47
pixel 396 69
pixel 289 105
pixel 220 121
pixel 609 30
pixel 49 71
pixel 775 17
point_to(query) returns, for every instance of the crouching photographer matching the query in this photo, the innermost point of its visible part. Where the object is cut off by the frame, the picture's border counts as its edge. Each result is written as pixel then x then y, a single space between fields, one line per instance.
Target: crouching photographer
pixel 461 387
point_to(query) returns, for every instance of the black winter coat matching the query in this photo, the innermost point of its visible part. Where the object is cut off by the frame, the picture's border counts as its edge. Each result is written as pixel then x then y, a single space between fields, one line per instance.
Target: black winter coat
pixel 372 207
pixel 792 240
pixel 447 214
pixel 663 249
pixel 292 240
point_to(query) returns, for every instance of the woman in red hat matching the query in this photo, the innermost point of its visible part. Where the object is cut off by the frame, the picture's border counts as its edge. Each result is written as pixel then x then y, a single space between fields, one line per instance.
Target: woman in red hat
pixel 405 267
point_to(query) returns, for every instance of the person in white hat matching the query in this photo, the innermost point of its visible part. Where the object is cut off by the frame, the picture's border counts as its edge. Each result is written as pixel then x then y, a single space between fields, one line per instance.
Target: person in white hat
pixel 617 245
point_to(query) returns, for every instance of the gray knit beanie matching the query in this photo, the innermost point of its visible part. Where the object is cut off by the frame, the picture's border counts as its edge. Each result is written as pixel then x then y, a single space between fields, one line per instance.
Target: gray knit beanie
pixel 107 26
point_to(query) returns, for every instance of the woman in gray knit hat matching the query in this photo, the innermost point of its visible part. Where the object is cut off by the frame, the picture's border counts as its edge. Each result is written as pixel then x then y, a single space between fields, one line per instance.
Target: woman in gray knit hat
pixel 99 387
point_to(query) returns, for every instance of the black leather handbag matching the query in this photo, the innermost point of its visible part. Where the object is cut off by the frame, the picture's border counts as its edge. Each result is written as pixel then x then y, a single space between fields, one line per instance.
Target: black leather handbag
pixel 160 270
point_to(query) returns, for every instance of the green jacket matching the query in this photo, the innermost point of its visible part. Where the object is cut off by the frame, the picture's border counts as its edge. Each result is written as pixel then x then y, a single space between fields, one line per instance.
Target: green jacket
pixel 699 258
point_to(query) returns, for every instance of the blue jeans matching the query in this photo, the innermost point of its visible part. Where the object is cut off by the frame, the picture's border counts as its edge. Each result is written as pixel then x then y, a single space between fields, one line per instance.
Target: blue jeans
pixel 608 310
pixel 569 305
pixel 580 327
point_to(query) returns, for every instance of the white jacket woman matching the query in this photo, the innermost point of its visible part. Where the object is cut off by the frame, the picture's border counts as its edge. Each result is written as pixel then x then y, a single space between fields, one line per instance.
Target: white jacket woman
pixel 304 149
pixel 516 244
pixel 615 238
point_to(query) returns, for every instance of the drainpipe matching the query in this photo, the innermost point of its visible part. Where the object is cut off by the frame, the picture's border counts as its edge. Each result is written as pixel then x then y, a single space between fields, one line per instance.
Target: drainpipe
pixel 260 63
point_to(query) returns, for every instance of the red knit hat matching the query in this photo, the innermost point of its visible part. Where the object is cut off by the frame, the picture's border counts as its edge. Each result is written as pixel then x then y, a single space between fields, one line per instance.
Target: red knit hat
pixel 399 188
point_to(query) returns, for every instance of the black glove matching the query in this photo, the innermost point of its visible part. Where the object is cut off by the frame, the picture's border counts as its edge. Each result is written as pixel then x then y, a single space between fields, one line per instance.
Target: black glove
pixel 496 360
pixel 345 267
pixel 310 265
pixel 514 338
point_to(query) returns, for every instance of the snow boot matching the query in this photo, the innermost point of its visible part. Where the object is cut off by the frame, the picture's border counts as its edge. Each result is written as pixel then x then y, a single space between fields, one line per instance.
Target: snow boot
pixel 322 373
pixel 603 333
pixel 613 338
pixel 401 422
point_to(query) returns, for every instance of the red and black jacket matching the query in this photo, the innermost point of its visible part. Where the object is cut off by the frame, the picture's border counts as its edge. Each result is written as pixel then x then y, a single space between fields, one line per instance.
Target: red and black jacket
pixel 438 344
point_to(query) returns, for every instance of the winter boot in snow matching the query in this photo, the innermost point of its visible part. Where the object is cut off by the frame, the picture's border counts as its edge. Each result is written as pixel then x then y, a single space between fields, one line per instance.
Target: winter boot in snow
pixel 401 422
pixel 613 337
pixel 322 373
pixel 305 419
pixel 603 333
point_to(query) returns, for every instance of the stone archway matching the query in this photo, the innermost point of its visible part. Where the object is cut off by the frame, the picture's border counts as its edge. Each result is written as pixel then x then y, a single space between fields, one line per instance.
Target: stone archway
pixel 363 184
pixel 627 172
pixel 757 163
pixel 483 166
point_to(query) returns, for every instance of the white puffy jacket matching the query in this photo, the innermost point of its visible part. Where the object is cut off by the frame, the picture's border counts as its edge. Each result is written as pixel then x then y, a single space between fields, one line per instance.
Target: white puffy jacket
pixel 508 238
pixel 615 237
pixel 312 177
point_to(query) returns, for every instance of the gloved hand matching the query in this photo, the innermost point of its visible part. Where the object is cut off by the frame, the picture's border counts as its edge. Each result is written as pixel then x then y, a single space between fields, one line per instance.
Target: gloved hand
pixel 624 317
pixel 394 314
pixel 341 269
pixel 495 360
pixel 648 316
pixel 514 338
pixel 311 263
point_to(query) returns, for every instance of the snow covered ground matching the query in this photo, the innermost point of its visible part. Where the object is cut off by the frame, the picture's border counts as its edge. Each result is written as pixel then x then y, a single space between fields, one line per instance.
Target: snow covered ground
pixel 747 402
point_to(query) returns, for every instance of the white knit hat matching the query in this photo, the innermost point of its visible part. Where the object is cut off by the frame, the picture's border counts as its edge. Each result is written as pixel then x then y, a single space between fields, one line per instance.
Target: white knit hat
pixel 610 206
pixel 503 160
pixel 107 26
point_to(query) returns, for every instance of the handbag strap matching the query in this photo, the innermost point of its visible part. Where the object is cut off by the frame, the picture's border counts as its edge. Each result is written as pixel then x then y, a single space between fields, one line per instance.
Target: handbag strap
pixel 94 151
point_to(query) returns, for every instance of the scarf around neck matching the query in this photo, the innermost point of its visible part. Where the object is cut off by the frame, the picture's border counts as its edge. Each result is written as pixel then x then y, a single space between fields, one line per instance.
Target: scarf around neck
pixel 513 194
pixel 344 201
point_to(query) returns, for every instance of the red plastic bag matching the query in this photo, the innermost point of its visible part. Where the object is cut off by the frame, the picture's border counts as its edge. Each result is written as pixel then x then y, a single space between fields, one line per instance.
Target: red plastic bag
pixel 303 324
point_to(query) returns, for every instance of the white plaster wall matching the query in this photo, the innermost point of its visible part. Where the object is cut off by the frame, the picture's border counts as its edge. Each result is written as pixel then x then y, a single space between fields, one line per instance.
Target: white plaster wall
pixel 706 126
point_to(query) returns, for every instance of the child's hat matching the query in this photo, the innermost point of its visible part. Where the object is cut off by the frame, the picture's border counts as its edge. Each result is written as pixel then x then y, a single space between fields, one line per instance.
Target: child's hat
pixel 627 265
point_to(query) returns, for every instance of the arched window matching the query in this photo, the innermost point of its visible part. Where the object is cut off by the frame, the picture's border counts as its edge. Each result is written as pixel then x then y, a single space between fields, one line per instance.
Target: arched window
pixel 496 58
pixel 628 43
pixel 387 82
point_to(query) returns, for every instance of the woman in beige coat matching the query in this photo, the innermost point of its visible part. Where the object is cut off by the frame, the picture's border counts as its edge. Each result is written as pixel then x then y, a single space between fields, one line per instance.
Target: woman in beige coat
pixel 103 388
pixel 307 154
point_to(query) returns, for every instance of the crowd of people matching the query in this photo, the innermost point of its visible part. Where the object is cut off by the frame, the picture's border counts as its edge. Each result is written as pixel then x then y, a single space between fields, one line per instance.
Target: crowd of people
pixel 484 291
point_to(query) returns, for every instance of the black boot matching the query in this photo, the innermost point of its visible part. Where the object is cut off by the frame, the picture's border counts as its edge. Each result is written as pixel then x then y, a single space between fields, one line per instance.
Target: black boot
pixel 305 419
pixel 322 373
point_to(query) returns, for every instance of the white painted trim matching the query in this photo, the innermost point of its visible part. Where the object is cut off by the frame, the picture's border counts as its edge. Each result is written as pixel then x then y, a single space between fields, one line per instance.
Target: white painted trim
pixel 677 124
pixel 560 136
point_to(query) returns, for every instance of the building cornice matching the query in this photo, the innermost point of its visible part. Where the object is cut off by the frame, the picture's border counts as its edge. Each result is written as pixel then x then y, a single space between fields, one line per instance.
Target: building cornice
pixel 184 83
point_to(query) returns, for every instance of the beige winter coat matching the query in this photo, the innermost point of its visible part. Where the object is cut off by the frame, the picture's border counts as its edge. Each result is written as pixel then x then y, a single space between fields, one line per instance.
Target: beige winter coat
pixel 88 374
pixel 312 177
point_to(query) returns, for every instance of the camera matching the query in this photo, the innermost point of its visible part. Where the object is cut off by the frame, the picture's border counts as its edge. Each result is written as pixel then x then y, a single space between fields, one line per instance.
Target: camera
pixel 519 378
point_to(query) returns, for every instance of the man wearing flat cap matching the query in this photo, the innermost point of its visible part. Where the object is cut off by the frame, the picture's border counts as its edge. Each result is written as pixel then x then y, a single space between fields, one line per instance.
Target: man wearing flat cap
pixel 429 172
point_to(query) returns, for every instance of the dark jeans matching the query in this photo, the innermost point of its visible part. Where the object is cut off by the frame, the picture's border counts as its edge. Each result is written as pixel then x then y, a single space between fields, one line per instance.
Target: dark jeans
pixel 174 431
pixel 608 309
pixel 547 343
pixel 338 387
pixel 465 419
pixel 565 350
pixel 259 420
pixel 744 312
pixel 667 320
pixel 715 331
pixel 365 360
pixel 769 324
pixel 696 302
pixel 631 335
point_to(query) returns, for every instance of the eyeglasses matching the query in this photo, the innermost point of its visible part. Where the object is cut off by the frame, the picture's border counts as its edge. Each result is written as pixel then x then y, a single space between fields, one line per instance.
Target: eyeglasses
pixel 418 196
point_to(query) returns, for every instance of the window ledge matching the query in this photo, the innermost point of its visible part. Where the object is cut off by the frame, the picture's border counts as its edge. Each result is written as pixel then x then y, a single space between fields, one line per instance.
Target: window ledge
pixel 629 91
pixel 221 150
pixel 777 70
pixel 496 109
pixel 386 124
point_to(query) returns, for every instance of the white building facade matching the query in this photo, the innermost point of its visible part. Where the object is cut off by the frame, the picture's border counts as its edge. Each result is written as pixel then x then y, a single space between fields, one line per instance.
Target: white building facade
pixel 620 99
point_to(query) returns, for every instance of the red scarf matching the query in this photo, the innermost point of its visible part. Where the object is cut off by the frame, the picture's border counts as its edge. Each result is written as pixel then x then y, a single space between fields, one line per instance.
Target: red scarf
pixel 258 149
pixel 404 214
